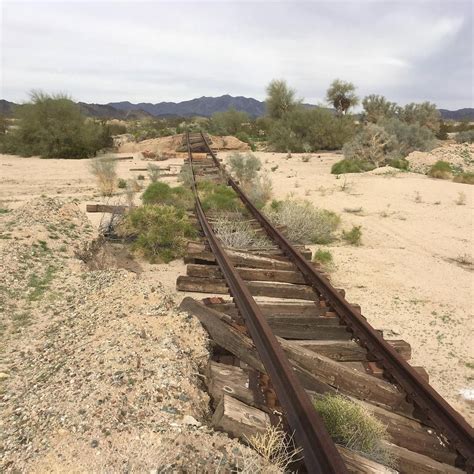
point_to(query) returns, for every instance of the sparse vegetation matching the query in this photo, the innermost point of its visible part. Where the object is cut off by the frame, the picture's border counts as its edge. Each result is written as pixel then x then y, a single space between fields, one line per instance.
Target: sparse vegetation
pixel 461 199
pixel 276 447
pixel 466 178
pixel 238 233
pixel 244 167
pixel 122 183
pixel 418 199
pixel 441 170
pixel 353 236
pixel 159 232
pixel 350 166
pixel 466 136
pixel 324 257
pixel 302 222
pixel 153 173
pixel 105 171
pixel 354 427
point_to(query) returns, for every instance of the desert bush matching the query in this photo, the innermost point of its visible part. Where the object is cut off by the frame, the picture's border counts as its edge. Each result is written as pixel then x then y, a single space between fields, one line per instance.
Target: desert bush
pixel 400 163
pixel 351 166
pixel 159 232
pixel 465 137
pixel 441 170
pixel 371 145
pixel 244 167
pixel 466 178
pixel 377 107
pixel 52 126
pixel 238 234
pixel 409 137
pixel 185 176
pixel 324 257
pixel 218 197
pixel 354 427
pixel 277 448
pixel 153 173
pixel 121 183
pixel 259 191
pixel 105 171
pixel 306 130
pixel 424 114
pixel 353 236
pixel 303 222
pixel 229 122
pixel 162 193
pixel 280 100
pixel 461 199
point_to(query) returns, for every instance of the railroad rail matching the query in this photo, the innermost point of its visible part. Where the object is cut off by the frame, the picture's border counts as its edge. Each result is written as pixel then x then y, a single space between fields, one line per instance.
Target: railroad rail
pixel 320 454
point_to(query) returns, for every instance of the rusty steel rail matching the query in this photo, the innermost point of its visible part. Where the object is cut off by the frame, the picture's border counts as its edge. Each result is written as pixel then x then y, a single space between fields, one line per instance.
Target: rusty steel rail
pixel 443 417
pixel 320 452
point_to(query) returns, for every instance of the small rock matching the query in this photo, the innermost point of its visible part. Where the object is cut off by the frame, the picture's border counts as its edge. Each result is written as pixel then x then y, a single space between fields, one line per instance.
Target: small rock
pixel 4 376
pixel 189 420
pixel 94 443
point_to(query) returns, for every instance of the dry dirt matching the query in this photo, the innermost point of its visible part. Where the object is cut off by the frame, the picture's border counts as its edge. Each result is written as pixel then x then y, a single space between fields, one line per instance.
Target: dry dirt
pixel 78 358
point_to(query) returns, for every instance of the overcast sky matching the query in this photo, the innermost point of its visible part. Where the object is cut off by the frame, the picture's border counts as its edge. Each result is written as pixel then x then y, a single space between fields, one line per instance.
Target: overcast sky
pixel 156 51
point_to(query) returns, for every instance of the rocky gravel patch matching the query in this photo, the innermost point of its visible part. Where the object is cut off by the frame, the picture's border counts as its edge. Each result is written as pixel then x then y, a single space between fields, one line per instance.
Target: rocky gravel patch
pixel 105 375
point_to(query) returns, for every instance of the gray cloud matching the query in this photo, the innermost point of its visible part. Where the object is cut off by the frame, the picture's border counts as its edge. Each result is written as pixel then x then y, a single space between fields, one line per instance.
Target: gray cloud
pixel 154 51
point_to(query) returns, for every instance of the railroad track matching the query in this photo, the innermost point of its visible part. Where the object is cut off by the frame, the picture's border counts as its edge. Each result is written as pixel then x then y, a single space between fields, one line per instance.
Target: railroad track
pixel 421 423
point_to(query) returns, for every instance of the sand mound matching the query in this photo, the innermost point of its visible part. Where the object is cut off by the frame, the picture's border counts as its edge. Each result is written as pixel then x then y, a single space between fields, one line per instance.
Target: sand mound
pixel 173 144
pixel 460 156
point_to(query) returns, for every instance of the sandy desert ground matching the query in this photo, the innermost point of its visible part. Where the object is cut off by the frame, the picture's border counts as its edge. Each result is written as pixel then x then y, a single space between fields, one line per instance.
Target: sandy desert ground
pixel 413 275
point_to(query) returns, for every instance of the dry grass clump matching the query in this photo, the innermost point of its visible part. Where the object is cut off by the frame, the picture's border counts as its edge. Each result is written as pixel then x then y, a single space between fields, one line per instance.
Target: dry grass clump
pixel 238 234
pixel 105 171
pixel 277 449
pixel 303 222
pixel 354 427
pixel 441 170
pixel 153 173
pixel 353 236
pixel 466 178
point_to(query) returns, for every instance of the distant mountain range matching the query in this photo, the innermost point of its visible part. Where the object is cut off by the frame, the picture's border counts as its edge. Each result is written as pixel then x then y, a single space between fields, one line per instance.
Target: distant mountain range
pixel 203 106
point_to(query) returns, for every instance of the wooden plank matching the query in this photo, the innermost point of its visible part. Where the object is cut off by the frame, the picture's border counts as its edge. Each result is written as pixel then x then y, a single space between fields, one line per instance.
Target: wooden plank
pixel 303 308
pixel 248 274
pixel 106 208
pixel 256 288
pixel 358 464
pixel 345 351
pixel 410 462
pixel 351 382
pixel 227 379
pixel 318 369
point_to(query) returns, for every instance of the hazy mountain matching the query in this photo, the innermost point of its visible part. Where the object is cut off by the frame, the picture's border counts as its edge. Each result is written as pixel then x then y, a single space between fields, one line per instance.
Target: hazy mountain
pixel 461 114
pixel 203 106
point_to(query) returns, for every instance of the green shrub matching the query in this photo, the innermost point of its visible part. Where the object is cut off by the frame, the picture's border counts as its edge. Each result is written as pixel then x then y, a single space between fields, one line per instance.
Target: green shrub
pixel 441 170
pixel 351 166
pixel 159 232
pixel 353 236
pixel 465 137
pixel 52 126
pixel 400 163
pixel 466 178
pixel 409 137
pixel 162 193
pixel 244 167
pixel 353 427
pixel 218 197
pixel 303 222
pixel 324 257
pixel 310 129
pixel 122 183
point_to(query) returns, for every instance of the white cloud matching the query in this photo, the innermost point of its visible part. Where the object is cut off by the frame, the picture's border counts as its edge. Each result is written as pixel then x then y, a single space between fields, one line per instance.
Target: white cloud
pixel 143 51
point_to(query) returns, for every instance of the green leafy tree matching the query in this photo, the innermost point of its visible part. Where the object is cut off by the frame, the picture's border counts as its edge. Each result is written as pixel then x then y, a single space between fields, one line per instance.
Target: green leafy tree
pixel 52 126
pixel 377 107
pixel 424 114
pixel 229 122
pixel 280 99
pixel 341 95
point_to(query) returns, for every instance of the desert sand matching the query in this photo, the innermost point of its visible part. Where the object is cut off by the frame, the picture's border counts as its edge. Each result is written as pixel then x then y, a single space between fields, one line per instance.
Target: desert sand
pixel 412 276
